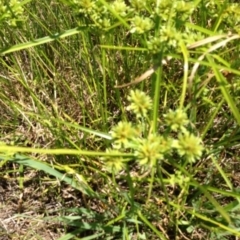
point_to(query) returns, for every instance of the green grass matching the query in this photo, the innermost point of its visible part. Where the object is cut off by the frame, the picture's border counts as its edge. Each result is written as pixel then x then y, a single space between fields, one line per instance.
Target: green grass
pixel 60 109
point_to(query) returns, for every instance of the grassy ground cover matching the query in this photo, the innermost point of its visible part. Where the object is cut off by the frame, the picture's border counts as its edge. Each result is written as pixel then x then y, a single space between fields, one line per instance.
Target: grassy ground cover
pixel 119 119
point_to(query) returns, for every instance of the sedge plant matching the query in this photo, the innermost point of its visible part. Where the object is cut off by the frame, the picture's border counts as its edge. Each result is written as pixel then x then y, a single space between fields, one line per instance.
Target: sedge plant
pixel 156 179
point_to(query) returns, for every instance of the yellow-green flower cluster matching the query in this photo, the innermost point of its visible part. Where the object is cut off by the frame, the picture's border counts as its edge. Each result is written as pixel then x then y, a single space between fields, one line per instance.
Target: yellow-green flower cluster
pixel 149 147
pixel 232 13
pixel 138 5
pixel 168 9
pixel 11 13
pixel 176 120
pixel 113 164
pixel 180 179
pixel 120 7
pixel 123 133
pixel 141 103
pixel 189 146
pixel 163 23
pixel 141 25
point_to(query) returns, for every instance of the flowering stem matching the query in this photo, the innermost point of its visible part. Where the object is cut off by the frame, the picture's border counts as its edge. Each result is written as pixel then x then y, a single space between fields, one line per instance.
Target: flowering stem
pixel 185 74
pixel 157 95
pixel 151 184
